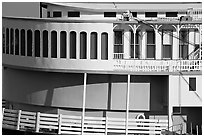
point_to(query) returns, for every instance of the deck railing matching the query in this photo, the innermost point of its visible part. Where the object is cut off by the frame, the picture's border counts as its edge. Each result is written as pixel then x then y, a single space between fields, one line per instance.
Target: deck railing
pixel 157 65
pixel 66 124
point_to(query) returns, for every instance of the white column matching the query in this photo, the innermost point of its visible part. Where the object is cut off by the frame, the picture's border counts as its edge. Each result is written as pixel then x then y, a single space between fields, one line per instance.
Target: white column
pixel 77 45
pixel 175 50
pixel 127 103
pixel 158 47
pixel 84 104
pixel 143 44
pixel 126 46
pixel 191 45
pixel 68 44
pixel 58 44
pixel 99 46
pixel 88 52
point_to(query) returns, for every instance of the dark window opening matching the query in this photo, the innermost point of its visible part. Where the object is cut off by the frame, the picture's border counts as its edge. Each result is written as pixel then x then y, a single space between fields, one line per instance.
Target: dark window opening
pixel 183 44
pixel 167 51
pixel 37 43
pixel 63 44
pixel 192 84
pixel 83 45
pixel 109 14
pixel 57 14
pixel 150 44
pixel 45 43
pixel 48 14
pixel 3 39
pixel 53 44
pixel 73 45
pixel 23 42
pixel 104 46
pixel 7 41
pixel 16 42
pixel 134 14
pixel 93 46
pixel 29 43
pixel 150 14
pixel 11 41
pixel 118 42
pixel 167 41
pixel 73 14
pixel 171 14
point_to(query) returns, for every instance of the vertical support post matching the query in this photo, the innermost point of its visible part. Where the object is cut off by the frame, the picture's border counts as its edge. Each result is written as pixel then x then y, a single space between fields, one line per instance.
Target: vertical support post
pixel 158 48
pixel 19 120
pixel 59 123
pixel 191 45
pixel 134 44
pixel 37 122
pixel 126 47
pixel 200 40
pixel 84 104
pixel 191 128
pixel 143 45
pixel 127 103
pixel 175 51
pixel 106 128
pixel 170 107
pixel 197 129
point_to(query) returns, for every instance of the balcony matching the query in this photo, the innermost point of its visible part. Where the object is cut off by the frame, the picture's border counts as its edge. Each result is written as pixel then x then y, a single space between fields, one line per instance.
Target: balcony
pixel 157 65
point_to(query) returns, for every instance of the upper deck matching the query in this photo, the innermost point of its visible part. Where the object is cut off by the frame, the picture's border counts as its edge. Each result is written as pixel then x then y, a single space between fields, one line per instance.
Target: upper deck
pixel 104 44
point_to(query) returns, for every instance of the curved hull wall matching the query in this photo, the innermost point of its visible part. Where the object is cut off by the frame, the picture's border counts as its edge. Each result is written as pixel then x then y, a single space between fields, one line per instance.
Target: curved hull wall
pixel 104 91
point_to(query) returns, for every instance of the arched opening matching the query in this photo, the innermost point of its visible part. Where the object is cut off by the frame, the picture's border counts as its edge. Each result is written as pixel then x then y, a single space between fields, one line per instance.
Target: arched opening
pixel 37 43
pixel 83 45
pixel 104 46
pixel 53 44
pixel 63 44
pixel 93 46
pixel 73 45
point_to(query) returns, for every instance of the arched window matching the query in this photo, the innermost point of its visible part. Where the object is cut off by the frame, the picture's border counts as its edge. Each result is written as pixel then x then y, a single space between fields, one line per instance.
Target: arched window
pixel 93 46
pixel 53 44
pixel 16 42
pixel 11 41
pixel 37 43
pixel 23 42
pixel 104 46
pixel 7 41
pixel 73 45
pixel 63 44
pixel 29 42
pixel 45 43
pixel 3 39
pixel 83 45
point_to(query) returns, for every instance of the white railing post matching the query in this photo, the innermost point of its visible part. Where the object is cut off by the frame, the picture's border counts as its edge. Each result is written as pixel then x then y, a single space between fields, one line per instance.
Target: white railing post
pixel 19 120
pixel 37 121
pixel 84 104
pixel 59 123
pixel 106 128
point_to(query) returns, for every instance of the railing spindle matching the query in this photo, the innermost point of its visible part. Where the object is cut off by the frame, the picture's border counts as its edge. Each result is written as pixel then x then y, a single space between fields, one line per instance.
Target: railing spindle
pixel 19 119
pixel 37 122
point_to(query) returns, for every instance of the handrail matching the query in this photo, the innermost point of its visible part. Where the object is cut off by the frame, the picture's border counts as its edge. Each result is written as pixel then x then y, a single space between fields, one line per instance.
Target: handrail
pixel 66 124
pixel 157 65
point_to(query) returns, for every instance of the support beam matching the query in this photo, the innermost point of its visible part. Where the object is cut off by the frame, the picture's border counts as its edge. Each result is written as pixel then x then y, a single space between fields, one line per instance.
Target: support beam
pixel 175 51
pixel 84 104
pixel 127 103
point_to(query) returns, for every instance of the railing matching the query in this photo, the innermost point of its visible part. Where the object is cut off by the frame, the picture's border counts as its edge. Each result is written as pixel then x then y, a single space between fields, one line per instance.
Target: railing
pixel 118 55
pixel 157 65
pixel 66 124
